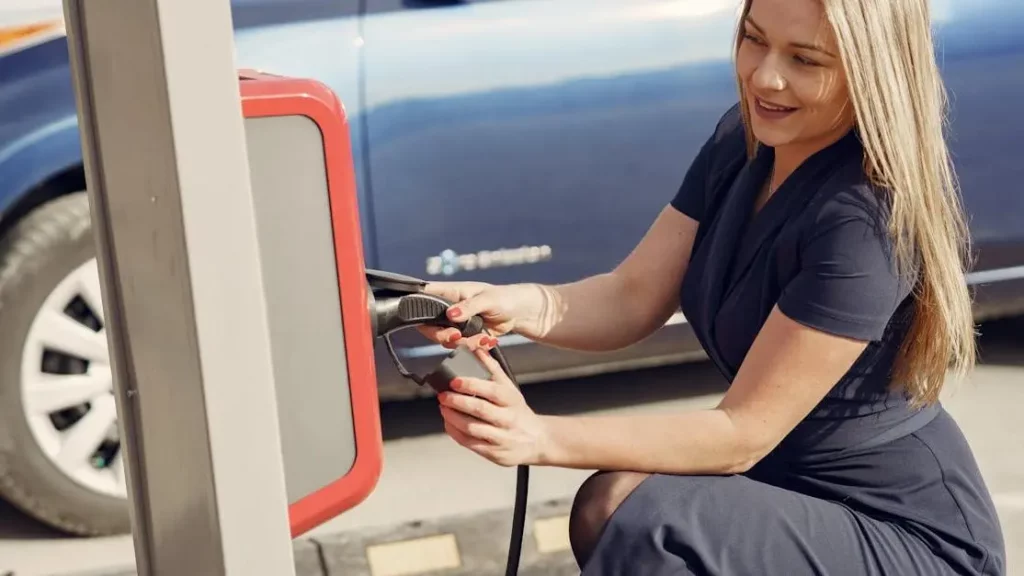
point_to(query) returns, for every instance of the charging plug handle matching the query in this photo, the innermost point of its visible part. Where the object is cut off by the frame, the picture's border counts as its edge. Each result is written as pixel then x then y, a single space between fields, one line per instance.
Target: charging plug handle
pixel 419 309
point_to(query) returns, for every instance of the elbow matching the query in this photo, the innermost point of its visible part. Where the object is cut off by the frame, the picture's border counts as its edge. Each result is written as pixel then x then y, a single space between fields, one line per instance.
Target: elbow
pixel 747 453
pixel 742 464
pixel 749 440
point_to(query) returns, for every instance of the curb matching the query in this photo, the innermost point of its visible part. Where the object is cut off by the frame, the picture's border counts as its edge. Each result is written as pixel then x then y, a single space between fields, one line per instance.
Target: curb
pixel 474 544
pixel 460 545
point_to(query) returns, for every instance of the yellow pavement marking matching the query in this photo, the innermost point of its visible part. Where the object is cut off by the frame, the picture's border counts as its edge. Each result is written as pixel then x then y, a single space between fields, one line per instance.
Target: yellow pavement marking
pixel 414 556
pixel 552 534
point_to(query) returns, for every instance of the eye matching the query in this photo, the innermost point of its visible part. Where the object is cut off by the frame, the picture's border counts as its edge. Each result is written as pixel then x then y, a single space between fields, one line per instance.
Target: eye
pixel 752 38
pixel 805 61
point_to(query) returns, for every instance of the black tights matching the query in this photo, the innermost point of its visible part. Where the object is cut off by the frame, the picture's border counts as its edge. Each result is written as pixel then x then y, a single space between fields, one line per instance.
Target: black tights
pixel 595 502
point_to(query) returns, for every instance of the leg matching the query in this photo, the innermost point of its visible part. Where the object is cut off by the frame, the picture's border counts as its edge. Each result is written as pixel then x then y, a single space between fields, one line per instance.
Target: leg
pixel 595 502
pixel 704 525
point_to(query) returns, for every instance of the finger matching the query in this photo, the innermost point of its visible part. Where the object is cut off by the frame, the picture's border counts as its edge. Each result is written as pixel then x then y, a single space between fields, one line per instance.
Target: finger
pixel 486 389
pixel 447 337
pixel 470 306
pixel 448 290
pixel 481 342
pixel 483 449
pixel 473 343
pixel 491 364
pixel 455 291
pixel 507 388
pixel 476 407
pixel 474 429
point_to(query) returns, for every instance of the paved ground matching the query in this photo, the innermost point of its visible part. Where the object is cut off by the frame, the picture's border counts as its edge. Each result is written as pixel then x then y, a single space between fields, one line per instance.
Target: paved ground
pixel 450 508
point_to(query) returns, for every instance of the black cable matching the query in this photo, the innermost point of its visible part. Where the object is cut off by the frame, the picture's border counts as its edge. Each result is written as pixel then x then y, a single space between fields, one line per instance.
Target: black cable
pixel 515 545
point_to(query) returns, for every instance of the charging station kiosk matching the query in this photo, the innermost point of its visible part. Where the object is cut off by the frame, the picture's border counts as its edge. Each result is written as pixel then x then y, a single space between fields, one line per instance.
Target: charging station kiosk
pixel 307 220
pixel 230 255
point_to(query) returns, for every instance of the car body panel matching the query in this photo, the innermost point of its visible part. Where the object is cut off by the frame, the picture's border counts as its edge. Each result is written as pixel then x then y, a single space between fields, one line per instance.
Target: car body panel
pixel 564 125
pixel 39 136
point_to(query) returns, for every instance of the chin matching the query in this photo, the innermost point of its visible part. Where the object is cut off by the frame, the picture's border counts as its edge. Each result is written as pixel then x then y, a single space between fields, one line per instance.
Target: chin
pixel 769 135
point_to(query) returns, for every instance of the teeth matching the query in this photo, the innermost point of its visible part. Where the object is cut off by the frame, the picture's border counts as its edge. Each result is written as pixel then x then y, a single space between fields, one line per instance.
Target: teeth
pixel 771 107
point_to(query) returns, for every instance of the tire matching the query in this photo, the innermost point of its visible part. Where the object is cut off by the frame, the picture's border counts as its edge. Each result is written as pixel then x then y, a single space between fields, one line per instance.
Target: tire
pixel 44 253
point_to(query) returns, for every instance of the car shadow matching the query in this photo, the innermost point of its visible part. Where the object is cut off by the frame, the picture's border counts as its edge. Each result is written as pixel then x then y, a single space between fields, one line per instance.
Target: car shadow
pixel 999 342
pixel 16 525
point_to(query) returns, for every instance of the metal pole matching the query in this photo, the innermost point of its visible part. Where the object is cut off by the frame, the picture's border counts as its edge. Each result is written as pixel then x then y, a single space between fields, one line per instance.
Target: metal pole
pixel 168 179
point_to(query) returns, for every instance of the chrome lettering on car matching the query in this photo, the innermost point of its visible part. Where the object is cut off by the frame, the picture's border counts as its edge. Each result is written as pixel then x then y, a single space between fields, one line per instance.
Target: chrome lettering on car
pixel 450 262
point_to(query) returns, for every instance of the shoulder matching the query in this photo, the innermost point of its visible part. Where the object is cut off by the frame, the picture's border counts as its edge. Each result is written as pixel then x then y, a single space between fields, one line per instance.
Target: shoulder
pixel 846 279
pixel 848 223
pixel 848 199
pixel 720 156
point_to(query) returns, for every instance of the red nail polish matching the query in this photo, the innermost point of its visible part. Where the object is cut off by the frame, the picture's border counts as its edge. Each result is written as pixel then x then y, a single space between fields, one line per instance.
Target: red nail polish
pixel 455 313
pixel 456 383
pixel 454 338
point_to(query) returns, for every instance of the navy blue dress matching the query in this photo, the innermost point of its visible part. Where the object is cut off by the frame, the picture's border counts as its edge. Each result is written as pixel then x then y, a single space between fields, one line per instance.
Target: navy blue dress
pixel 865 485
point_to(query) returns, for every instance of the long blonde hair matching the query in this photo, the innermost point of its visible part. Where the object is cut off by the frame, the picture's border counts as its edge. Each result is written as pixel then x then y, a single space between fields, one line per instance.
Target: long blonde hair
pixel 901 109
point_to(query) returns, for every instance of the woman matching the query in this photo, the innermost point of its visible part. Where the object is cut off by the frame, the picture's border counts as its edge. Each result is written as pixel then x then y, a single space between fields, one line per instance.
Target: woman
pixel 817 248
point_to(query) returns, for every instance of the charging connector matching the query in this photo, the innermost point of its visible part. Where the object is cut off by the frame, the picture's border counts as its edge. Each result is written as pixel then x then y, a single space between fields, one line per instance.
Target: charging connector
pixel 460 363
pixel 398 302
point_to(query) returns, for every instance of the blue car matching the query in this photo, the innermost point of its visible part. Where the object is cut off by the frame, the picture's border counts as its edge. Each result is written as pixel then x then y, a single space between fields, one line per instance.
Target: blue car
pixel 494 140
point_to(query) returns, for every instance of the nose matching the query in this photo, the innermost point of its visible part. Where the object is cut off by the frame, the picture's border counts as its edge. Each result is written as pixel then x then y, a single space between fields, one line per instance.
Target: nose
pixel 767 76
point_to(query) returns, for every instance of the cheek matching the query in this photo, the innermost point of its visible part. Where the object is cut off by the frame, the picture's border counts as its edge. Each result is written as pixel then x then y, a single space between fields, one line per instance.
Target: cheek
pixel 746 63
pixel 821 91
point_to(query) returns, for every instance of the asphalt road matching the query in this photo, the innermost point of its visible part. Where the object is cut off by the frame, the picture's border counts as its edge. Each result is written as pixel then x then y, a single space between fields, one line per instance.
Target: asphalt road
pixel 428 477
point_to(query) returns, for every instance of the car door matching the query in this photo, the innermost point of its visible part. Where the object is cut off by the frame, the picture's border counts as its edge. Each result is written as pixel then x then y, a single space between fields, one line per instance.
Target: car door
pixel 533 140
pixel 318 39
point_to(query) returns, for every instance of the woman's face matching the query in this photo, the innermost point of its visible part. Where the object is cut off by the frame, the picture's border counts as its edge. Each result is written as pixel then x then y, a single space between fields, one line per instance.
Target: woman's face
pixel 792 78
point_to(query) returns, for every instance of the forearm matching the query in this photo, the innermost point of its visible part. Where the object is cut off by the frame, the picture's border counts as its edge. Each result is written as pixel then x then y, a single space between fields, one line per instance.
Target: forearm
pixel 599 313
pixel 618 309
pixel 699 442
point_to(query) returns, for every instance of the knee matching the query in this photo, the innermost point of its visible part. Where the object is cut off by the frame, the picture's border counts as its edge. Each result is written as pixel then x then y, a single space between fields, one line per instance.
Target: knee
pixel 595 503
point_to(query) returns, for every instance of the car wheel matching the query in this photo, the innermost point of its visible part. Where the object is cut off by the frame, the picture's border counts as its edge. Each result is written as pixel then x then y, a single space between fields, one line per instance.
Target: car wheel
pixel 60 458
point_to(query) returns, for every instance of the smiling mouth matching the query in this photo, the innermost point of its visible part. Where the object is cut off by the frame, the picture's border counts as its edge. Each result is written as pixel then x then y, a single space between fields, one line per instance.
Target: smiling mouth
pixel 771 107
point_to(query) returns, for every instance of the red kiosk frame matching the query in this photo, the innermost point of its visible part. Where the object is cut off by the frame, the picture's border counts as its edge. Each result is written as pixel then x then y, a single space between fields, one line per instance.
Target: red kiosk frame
pixel 265 95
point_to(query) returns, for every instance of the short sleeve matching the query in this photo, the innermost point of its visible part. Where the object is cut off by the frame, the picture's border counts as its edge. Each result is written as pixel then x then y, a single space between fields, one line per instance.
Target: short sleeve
pixel 690 198
pixel 848 283
pixel 712 163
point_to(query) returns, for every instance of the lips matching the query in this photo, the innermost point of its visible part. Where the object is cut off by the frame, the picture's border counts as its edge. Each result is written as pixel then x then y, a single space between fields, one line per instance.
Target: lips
pixel 773 107
pixel 771 110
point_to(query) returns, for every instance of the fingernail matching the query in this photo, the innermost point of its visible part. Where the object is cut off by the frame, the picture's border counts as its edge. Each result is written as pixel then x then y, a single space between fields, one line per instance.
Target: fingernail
pixel 455 313
pixel 456 383
pixel 454 338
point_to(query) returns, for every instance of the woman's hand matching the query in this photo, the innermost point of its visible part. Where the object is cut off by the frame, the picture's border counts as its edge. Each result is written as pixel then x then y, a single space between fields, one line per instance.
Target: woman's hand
pixel 516 307
pixel 491 418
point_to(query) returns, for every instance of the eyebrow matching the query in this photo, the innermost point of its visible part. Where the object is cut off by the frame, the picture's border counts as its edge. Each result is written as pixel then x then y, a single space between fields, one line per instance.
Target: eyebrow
pixel 803 45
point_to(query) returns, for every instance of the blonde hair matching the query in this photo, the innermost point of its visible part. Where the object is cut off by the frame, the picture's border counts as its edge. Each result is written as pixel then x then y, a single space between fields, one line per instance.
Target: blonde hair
pixel 901 108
